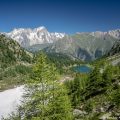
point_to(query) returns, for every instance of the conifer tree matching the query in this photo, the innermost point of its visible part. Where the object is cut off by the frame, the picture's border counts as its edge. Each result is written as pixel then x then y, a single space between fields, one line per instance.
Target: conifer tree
pixel 95 84
pixel 47 98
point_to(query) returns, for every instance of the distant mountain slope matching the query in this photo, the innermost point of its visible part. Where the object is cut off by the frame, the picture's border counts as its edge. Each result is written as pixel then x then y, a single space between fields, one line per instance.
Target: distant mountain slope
pixel 83 46
pixel 114 54
pixel 11 52
pixel 36 48
pixel 115 49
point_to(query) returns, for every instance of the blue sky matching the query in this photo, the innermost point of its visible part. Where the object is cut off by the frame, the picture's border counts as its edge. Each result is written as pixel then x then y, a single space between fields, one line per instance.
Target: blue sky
pixel 69 16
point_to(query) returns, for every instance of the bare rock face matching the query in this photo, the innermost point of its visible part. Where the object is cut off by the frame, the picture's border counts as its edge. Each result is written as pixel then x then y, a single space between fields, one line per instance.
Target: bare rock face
pixel 115 49
pixel 78 113
pixel 115 33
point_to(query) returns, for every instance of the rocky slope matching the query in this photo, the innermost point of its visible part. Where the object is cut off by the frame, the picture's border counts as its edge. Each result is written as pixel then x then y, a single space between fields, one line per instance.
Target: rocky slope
pixel 115 49
pixel 114 54
pixel 84 46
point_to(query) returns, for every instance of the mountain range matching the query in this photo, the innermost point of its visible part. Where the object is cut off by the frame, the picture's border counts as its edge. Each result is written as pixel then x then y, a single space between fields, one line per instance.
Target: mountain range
pixel 28 37
pixel 82 45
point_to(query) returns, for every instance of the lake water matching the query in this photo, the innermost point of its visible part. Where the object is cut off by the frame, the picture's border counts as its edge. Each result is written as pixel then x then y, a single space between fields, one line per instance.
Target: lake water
pixel 9 100
pixel 82 69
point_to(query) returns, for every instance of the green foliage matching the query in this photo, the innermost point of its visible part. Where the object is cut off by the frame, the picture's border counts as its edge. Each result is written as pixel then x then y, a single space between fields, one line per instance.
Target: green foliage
pixel 13 76
pixel 116 97
pixel 21 69
pixel 108 74
pixel 47 98
pixel 95 84
pixel 60 106
pixel 100 90
pixel 11 52
pixel 75 88
pixel 61 61
pixel 14 71
pixel 99 62
pixel 25 57
pixel 14 62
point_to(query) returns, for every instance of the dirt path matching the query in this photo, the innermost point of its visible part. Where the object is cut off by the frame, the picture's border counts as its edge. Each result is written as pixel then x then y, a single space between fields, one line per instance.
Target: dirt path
pixel 66 78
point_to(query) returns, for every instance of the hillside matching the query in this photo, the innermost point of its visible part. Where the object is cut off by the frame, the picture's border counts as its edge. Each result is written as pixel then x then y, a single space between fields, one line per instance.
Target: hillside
pixel 11 52
pixel 63 62
pixel 97 96
pixel 14 63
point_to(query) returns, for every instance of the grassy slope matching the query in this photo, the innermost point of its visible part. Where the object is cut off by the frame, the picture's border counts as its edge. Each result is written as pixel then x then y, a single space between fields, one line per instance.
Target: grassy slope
pixel 14 63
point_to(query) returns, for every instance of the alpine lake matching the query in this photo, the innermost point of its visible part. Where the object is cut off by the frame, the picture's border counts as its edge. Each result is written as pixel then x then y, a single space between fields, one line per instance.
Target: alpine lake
pixel 82 69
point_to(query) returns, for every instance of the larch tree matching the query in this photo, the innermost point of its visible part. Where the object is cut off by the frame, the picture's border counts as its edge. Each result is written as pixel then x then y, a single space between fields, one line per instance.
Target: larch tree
pixel 46 98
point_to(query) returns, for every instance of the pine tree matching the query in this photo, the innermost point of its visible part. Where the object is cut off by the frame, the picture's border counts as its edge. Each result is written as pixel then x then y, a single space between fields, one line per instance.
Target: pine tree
pixel 60 106
pixel 47 99
pixel 95 84
pixel 108 75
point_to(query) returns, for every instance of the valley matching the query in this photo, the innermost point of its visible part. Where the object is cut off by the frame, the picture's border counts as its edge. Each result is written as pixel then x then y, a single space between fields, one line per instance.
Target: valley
pixel 70 67
pixel 59 59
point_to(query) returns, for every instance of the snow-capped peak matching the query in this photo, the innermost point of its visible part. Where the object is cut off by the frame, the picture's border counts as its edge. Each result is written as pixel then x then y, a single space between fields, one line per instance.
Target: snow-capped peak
pixel 40 29
pixel 113 33
pixel 27 37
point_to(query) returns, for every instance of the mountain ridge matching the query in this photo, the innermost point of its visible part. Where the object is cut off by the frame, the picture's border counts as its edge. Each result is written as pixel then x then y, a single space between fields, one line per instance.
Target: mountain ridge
pixel 83 45
pixel 27 36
